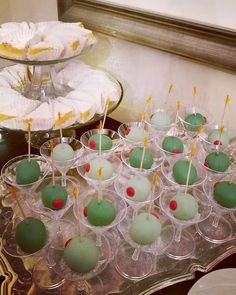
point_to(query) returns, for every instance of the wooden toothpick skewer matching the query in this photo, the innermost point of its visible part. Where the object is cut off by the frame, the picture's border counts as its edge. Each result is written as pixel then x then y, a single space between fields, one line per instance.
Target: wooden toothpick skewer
pixel 177 114
pixel 170 88
pixel 14 195
pixel 100 139
pixel 60 128
pixel 194 98
pixel 76 196
pixel 192 153
pixel 145 142
pixel 222 127
pixel 154 184
pixel 100 197
pixel 53 172
pixel 28 122
pixel 105 113
pixel 227 100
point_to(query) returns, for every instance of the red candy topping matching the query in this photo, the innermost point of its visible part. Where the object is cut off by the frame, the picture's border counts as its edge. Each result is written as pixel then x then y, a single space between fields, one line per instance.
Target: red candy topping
pixel 92 144
pixel 85 211
pixel 206 165
pixel 57 204
pixel 130 191
pixel 173 205
pixel 217 142
pixel 216 184
pixel 176 152
pixel 87 167
pixel 127 131
pixel 67 242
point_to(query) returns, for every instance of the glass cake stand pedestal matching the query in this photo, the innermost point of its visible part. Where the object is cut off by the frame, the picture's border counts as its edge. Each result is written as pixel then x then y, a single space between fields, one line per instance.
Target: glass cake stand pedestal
pixel 42 84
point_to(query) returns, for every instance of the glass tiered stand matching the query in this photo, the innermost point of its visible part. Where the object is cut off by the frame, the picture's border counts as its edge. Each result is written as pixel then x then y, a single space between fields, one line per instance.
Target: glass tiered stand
pixel 43 86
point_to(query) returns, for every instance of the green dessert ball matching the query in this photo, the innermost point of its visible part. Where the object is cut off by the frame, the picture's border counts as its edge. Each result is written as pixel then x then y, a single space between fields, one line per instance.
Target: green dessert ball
pixel 172 144
pixel 106 142
pixel 27 171
pixel 183 206
pixel 225 194
pixel 81 255
pixel 135 134
pixel 138 188
pixel 217 161
pixel 161 120
pixel 63 152
pixel 145 229
pixel 54 196
pixel 99 169
pixel 194 120
pixel 219 138
pixel 31 235
pixel 180 172
pixel 135 158
pixel 100 212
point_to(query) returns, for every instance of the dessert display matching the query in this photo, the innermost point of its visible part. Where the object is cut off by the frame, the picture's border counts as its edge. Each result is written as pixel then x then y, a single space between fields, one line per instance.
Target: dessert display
pixel 54 196
pixel 172 144
pixel 217 161
pixel 180 172
pixel 183 206
pixel 27 171
pixel 135 158
pixel 145 228
pixel 225 194
pixel 100 212
pixel 92 169
pixel 31 235
pixel 138 188
pixel 132 204
pixel 81 255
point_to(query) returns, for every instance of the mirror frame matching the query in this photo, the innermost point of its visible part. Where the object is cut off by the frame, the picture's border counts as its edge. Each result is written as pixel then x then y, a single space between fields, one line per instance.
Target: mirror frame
pixel 204 43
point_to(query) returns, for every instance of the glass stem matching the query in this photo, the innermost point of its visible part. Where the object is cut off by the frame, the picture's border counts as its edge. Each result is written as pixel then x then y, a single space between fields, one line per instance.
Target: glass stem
pixel 99 240
pixel 63 180
pixel 136 253
pixel 178 234
pixel 82 288
pixel 216 220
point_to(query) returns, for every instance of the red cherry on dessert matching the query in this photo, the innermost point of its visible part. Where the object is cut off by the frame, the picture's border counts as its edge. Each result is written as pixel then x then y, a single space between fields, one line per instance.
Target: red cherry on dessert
pixel 217 142
pixel 173 205
pixel 57 204
pixel 127 131
pixel 130 192
pixel 92 144
pixel 176 152
pixel 67 242
pixel 206 165
pixel 87 167
pixel 85 211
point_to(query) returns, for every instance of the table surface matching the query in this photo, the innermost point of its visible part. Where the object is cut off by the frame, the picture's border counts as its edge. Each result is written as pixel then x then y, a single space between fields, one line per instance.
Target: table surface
pixel 14 144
